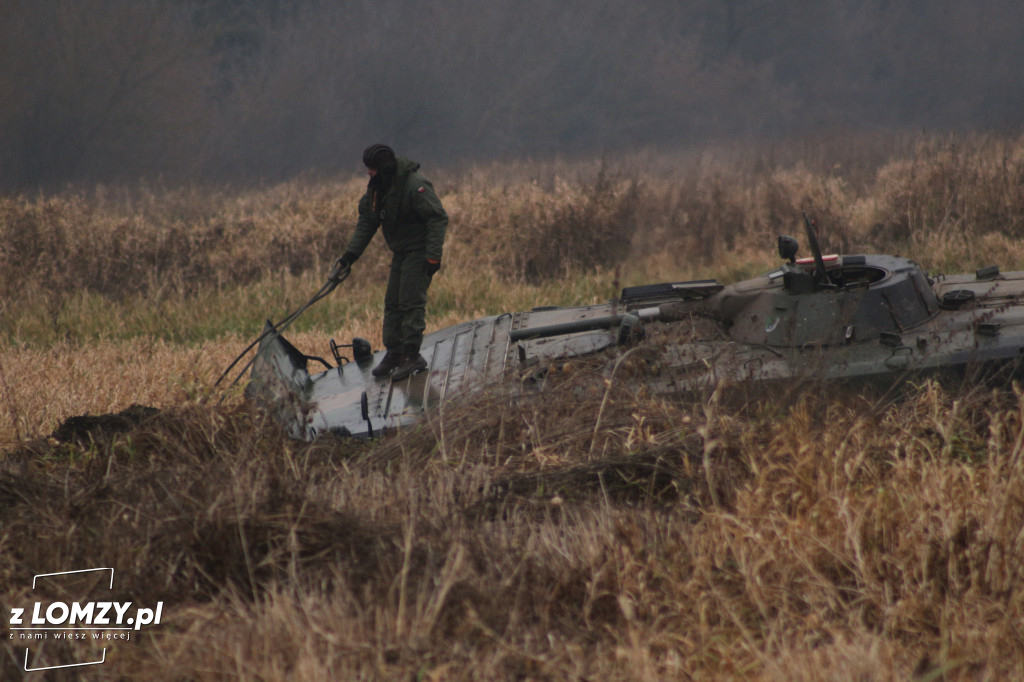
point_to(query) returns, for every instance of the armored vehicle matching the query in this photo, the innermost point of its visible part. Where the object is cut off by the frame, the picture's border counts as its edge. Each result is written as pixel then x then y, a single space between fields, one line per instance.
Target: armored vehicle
pixel 825 317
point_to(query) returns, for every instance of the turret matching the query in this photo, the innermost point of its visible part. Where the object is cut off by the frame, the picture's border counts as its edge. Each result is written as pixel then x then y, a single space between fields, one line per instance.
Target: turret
pixel 826 300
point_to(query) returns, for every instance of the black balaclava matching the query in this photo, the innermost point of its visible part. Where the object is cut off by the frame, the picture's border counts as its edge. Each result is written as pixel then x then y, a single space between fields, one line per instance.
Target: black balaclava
pixel 381 158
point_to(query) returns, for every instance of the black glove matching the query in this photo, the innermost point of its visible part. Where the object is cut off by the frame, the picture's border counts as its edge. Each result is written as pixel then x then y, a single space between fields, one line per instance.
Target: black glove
pixel 342 264
pixel 345 261
pixel 432 267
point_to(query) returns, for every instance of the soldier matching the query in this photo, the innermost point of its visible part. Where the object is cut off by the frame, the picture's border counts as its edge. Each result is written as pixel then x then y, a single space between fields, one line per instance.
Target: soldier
pixel 403 203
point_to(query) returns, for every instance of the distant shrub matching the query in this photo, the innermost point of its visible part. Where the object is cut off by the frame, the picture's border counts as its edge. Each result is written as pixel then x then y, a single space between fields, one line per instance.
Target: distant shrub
pixel 147 245
pixel 575 227
pixel 971 186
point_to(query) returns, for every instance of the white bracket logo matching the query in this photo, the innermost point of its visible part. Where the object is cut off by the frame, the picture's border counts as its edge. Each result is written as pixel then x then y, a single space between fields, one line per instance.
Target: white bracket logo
pixel 61 616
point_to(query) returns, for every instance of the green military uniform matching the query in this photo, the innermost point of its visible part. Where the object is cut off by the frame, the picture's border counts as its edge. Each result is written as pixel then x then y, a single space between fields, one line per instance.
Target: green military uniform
pixel 414 223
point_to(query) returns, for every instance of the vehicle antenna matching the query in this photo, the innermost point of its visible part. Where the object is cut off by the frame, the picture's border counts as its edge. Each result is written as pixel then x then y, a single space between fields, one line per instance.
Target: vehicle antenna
pixel 812 238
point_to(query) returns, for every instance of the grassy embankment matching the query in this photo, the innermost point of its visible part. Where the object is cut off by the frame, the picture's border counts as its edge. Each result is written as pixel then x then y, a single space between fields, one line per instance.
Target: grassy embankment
pixel 595 532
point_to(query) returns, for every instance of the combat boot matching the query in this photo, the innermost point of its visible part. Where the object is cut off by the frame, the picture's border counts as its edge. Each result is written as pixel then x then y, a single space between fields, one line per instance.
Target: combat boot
pixel 410 365
pixel 387 365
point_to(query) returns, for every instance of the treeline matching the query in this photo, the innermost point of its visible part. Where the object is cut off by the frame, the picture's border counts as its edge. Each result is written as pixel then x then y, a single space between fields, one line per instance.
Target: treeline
pixel 104 90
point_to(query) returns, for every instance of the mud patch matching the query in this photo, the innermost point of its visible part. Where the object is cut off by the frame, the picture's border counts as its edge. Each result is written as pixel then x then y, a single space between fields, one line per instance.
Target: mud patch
pixel 83 428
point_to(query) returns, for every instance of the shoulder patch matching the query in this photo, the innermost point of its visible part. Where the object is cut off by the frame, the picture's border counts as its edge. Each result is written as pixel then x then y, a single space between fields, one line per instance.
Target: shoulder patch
pixel 421 189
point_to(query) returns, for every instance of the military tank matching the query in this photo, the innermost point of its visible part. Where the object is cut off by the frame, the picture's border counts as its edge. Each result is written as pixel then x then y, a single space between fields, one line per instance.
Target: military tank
pixel 842 318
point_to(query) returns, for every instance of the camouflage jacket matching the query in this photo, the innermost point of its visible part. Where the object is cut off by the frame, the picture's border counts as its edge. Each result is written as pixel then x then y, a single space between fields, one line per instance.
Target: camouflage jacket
pixel 410 215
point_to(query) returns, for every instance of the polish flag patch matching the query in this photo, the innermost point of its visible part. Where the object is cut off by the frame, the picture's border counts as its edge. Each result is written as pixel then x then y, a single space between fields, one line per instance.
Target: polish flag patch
pixel 421 189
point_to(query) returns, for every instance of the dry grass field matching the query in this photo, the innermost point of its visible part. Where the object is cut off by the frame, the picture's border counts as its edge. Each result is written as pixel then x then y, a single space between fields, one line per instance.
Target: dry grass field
pixel 595 532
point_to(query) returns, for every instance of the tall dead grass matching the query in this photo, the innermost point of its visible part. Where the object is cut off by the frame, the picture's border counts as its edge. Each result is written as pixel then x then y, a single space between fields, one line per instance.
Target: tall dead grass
pixel 588 531
pixel 951 203
pixel 846 536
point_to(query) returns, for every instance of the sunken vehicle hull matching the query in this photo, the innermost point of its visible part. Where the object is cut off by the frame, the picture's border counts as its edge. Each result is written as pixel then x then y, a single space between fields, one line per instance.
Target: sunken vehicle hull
pixel 861 318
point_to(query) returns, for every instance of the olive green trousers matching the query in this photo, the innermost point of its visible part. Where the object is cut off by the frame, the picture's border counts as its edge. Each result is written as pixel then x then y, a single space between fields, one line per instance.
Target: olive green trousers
pixel 405 302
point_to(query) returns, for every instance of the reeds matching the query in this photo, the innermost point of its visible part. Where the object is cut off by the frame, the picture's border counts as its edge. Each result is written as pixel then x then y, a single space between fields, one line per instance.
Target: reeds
pixel 589 530
pixel 880 536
